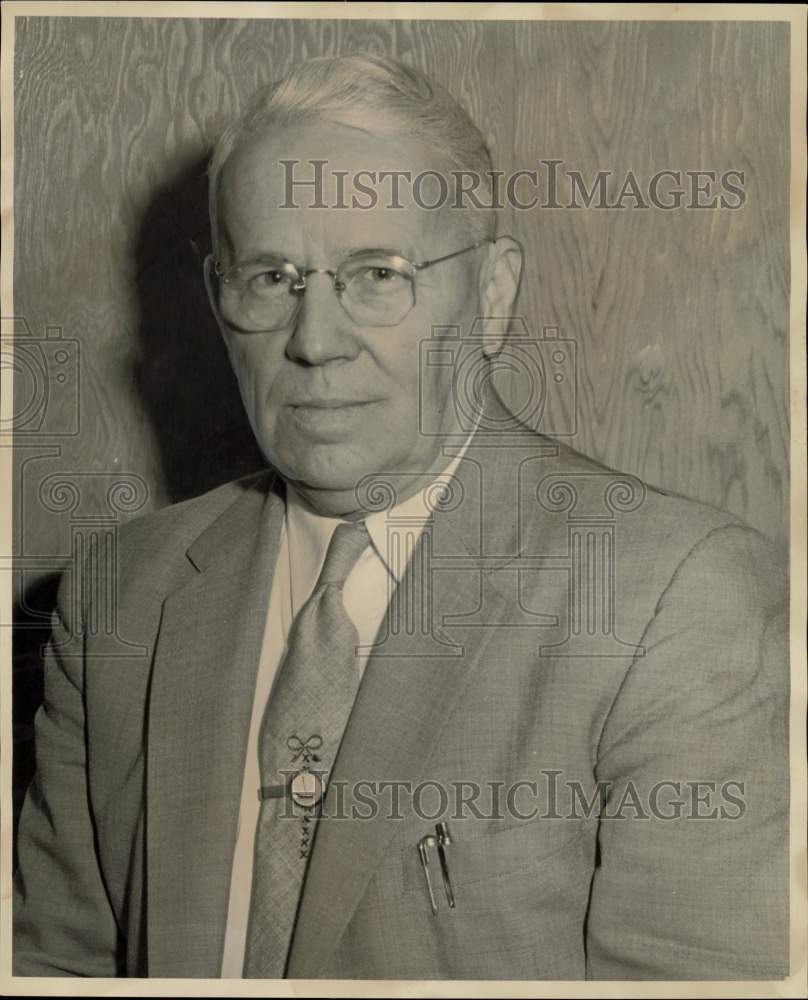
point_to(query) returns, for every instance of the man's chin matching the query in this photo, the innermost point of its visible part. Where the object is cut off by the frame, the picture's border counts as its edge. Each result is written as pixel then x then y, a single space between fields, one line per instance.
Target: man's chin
pixel 334 488
pixel 330 500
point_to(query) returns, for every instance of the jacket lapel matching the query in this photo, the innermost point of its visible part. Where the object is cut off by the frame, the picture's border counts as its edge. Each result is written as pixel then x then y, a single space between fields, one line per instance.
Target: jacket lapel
pixel 200 705
pixel 201 699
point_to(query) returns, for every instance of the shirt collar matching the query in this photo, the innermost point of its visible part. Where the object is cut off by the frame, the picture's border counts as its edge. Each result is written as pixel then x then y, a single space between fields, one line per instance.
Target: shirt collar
pixel 309 534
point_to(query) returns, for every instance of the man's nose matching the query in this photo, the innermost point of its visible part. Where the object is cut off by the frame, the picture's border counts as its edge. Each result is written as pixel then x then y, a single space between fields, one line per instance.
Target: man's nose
pixel 323 330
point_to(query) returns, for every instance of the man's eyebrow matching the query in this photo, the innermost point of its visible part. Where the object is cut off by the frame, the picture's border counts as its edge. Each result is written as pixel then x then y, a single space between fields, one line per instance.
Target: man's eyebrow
pixel 389 251
pixel 260 255
pixel 342 252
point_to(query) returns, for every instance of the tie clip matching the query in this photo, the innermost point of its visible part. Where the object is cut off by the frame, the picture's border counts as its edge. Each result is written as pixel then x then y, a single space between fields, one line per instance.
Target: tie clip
pixel 272 792
pixel 306 789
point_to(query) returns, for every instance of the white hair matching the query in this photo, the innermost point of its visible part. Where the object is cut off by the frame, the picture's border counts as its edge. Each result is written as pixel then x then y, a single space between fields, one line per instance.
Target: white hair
pixel 377 94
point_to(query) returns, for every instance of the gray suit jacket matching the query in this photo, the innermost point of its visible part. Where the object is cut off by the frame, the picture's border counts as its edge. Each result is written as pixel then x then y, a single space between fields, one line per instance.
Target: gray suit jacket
pixel 588 635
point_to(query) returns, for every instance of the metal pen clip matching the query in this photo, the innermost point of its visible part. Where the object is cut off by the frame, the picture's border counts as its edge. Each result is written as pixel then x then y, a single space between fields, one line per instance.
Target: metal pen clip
pixel 444 840
pixel 424 845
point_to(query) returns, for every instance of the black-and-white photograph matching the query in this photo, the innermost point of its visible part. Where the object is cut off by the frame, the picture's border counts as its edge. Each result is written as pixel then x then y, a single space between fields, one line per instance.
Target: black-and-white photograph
pixel 399 444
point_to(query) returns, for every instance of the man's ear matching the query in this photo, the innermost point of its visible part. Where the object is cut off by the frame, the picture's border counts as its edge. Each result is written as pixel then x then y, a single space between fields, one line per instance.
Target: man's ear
pixel 499 286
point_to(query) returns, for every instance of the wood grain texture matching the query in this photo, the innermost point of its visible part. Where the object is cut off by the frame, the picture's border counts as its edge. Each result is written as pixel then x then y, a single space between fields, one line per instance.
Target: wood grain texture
pixel 680 318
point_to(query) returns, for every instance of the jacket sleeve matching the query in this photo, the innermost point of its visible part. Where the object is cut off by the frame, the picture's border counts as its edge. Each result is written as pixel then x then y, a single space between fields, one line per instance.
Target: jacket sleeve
pixel 692 881
pixel 63 922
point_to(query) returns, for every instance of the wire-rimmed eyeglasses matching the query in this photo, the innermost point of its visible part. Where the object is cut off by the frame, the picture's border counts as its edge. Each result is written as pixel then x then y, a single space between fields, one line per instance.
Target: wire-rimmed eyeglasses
pixel 374 287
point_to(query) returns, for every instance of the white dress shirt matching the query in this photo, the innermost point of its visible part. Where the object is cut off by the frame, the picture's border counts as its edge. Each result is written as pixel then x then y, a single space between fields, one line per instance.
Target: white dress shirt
pixel 366 593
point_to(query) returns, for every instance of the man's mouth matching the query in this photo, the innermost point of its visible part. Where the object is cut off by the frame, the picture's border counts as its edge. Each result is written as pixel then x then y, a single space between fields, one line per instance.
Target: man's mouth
pixel 331 418
pixel 331 404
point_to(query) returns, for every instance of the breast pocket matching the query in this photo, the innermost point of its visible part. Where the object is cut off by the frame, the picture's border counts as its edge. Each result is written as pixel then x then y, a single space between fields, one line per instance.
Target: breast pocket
pixel 520 894
pixel 484 853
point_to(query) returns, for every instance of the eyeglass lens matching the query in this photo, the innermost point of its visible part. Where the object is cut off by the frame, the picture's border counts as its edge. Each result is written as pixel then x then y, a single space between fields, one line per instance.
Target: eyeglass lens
pixel 374 290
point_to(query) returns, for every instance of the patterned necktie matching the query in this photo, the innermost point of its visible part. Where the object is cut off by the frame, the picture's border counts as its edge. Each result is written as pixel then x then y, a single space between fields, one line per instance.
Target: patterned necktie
pixel 300 734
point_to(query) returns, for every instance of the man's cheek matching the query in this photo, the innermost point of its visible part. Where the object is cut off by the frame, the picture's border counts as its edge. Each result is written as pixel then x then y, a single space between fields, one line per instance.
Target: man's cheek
pixel 256 372
pixel 436 388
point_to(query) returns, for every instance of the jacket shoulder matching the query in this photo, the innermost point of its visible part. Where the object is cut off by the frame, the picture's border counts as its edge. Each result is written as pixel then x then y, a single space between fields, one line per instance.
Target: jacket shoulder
pixel 675 521
pixel 158 541
pixel 656 535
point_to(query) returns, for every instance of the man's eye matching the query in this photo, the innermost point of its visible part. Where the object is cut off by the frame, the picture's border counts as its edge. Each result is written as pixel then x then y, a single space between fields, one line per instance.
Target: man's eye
pixel 380 275
pixel 267 281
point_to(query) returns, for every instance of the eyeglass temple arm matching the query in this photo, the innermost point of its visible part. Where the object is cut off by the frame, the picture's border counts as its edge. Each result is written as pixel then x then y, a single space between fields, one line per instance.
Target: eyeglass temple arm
pixel 448 256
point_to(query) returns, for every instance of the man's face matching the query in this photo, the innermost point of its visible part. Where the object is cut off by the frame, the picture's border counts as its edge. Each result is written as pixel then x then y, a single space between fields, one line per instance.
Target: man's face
pixel 331 401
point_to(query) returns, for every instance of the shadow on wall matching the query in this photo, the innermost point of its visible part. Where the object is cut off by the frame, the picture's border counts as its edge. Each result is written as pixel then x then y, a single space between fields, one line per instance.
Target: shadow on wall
pixel 190 395
pixel 183 376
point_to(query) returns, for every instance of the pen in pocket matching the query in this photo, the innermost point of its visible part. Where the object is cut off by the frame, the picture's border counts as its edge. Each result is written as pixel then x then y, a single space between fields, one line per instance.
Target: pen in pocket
pixel 424 845
pixel 444 840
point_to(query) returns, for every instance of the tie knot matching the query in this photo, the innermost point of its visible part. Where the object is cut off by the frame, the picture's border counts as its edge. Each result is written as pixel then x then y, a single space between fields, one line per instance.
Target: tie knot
pixel 348 542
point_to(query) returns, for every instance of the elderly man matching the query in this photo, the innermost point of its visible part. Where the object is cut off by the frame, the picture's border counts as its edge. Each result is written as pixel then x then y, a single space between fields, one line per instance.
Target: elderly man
pixel 434 696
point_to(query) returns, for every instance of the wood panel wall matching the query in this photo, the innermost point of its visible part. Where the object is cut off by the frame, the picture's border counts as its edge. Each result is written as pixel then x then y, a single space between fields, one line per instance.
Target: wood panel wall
pixel 680 318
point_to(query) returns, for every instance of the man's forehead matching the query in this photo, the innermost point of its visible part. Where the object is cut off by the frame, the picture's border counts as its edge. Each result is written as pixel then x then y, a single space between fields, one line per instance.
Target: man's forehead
pixel 335 183
pixel 344 147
